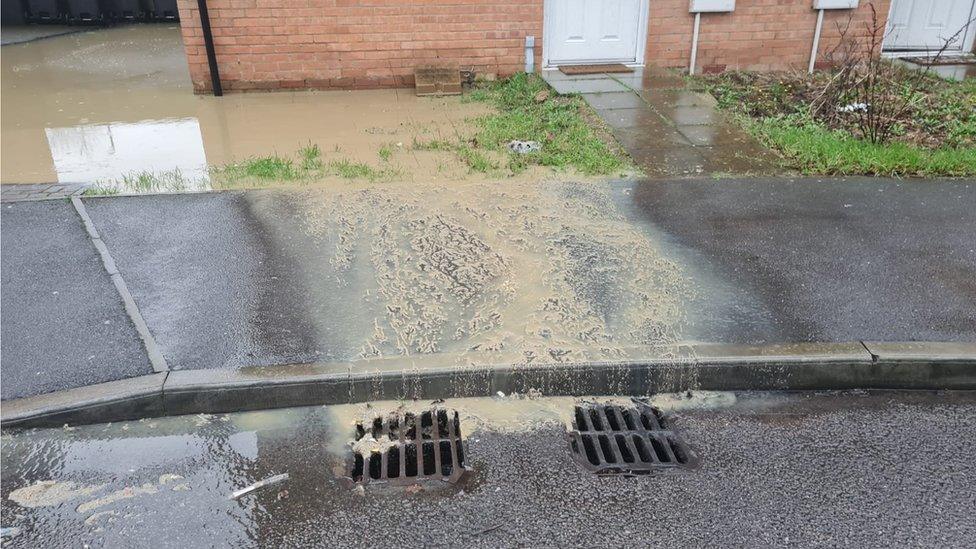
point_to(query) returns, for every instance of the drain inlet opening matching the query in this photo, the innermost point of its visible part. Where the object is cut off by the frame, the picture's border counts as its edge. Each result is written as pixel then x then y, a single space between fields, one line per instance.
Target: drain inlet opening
pixel 614 439
pixel 408 447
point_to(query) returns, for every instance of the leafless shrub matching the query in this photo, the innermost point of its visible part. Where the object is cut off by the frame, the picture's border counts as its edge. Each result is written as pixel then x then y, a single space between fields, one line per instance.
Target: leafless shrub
pixel 864 85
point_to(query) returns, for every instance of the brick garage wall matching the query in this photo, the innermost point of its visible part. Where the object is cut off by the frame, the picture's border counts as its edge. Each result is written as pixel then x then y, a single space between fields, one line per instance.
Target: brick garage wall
pixel 293 44
pixel 758 35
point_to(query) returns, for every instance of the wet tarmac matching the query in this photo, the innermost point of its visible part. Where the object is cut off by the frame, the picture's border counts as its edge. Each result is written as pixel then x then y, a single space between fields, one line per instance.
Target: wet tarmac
pixel 94 107
pixel 374 277
pixel 828 469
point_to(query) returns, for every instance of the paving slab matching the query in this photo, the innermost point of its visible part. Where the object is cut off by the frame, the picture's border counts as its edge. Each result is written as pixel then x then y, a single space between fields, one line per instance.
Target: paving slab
pixel 636 139
pixel 592 85
pixel 721 135
pixel 677 98
pixel 690 115
pixel 615 100
pixel 651 78
pixel 63 323
pixel 645 118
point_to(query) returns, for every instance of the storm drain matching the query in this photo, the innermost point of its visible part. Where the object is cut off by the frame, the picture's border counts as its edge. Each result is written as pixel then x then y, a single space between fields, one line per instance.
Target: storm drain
pixel 406 447
pixel 611 439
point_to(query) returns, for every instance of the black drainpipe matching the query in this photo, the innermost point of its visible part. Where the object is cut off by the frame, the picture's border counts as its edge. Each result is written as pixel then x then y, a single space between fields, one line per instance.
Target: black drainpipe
pixel 208 42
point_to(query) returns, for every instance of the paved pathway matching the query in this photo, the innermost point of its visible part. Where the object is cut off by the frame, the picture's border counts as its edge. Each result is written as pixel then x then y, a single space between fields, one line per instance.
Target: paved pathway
pixel 668 130
pixel 39 191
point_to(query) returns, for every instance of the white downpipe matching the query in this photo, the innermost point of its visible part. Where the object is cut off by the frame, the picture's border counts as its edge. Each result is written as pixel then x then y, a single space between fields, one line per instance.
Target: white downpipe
pixel 694 44
pixel 816 41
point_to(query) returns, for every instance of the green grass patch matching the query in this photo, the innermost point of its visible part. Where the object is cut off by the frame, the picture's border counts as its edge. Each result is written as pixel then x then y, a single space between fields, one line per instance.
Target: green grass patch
pixel 814 149
pixel 309 165
pixel 528 110
pixel 267 168
pixel 358 170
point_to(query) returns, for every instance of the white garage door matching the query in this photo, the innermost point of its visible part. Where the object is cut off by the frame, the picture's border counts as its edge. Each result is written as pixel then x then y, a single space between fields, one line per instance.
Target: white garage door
pixel 595 31
pixel 927 24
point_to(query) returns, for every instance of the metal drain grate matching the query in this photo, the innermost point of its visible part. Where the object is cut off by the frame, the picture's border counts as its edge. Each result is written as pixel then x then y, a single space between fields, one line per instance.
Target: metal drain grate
pixel 612 439
pixel 404 448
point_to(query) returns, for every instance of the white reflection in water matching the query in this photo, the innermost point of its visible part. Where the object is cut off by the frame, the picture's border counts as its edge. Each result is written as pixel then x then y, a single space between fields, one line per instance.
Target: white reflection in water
pixel 106 153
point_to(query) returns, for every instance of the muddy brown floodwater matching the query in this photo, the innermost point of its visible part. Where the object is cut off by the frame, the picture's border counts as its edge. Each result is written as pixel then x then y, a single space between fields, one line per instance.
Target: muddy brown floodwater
pixel 96 106
pixel 526 272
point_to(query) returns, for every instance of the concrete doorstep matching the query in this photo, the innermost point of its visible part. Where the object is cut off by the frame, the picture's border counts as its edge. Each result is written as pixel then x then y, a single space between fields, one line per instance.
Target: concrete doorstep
pixel 714 367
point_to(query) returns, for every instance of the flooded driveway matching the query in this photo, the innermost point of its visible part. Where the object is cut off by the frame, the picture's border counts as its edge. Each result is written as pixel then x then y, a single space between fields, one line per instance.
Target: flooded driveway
pixel 776 469
pixel 100 105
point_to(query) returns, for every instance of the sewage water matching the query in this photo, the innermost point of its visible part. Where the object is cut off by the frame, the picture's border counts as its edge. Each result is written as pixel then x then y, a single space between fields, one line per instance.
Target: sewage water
pixel 97 106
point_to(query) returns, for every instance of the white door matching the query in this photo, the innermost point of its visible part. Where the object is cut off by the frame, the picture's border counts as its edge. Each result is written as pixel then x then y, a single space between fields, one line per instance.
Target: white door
pixel 595 31
pixel 927 24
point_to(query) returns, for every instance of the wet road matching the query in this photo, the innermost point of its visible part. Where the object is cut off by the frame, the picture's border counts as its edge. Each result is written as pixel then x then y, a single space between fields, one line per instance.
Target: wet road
pixel 830 260
pixel 483 273
pixel 802 469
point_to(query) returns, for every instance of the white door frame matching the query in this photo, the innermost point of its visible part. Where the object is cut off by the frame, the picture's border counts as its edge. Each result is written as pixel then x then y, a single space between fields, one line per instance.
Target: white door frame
pixel 966 44
pixel 641 34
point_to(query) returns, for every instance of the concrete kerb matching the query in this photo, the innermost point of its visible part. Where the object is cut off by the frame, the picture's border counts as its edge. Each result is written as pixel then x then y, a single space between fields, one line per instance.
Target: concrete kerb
pixel 912 366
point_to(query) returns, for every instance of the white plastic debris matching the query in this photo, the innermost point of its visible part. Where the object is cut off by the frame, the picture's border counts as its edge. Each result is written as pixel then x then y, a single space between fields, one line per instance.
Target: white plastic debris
pixel 524 147
pixel 854 107
pixel 260 484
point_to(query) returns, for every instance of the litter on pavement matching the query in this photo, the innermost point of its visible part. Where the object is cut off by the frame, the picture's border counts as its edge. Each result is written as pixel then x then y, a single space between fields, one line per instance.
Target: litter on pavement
pixel 260 484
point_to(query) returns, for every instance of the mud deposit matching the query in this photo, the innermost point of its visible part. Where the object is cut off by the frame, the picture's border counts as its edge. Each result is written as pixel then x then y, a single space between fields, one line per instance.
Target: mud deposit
pixel 530 273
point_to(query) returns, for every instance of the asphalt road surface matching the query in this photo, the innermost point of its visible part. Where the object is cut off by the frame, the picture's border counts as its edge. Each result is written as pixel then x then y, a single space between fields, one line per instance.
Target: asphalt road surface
pixel 62 321
pixel 549 271
pixel 807 470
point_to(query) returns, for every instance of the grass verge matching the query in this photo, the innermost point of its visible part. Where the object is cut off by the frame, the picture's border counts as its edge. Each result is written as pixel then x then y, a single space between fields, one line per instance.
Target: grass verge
pixel 814 149
pixel 936 137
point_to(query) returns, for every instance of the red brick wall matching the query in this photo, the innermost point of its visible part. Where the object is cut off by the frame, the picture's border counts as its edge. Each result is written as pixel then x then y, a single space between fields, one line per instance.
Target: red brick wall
pixel 273 44
pixel 267 44
pixel 758 35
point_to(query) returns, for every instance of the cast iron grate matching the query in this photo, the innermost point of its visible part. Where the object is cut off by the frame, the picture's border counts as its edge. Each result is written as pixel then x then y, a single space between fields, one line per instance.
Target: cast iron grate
pixel 611 439
pixel 402 448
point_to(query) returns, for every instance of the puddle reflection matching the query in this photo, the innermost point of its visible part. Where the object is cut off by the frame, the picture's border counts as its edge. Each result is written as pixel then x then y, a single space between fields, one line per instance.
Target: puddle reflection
pixel 111 152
